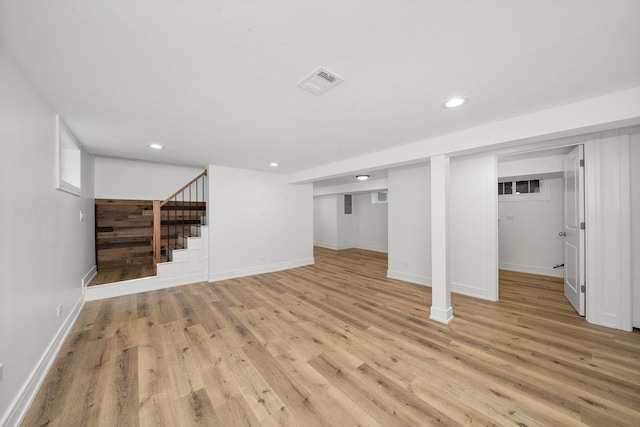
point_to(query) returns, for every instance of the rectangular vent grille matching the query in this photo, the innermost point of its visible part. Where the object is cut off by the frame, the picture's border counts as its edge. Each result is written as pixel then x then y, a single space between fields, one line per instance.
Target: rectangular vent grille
pixel 320 81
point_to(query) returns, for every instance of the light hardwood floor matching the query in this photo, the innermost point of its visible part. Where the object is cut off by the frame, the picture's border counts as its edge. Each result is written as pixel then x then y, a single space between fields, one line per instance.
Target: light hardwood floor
pixel 338 344
pixel 119 274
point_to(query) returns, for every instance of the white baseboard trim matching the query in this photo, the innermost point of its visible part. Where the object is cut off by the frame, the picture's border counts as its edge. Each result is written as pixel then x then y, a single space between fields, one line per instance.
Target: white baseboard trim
pixel 337 247
pixel 89 276
pixel 457 288
pixel 411 278
pixel 543 271
pixel 470 291
pixel 441 315
pixel 19 407
pixel 326 246
pixel 611 321
pixel 135 286
pixel 372 248
pixel 342 247
pixel 252 271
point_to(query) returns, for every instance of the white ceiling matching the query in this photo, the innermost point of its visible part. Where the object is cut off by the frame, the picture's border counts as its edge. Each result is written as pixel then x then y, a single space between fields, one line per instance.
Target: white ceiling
pixel 215 81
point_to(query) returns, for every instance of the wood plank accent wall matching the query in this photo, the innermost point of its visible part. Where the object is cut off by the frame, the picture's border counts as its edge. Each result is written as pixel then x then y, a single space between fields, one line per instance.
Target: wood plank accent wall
pixel 124 230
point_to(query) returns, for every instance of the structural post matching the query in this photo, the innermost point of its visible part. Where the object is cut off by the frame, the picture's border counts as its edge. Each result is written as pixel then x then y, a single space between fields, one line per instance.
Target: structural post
pixel 441 309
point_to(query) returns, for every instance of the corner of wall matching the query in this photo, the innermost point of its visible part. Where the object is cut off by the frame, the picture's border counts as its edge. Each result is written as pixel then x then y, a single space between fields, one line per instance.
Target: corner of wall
pixel 89 276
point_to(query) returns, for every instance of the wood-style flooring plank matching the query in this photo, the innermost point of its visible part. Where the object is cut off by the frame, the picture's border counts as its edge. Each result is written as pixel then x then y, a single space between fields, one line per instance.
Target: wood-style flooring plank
pixel 337 343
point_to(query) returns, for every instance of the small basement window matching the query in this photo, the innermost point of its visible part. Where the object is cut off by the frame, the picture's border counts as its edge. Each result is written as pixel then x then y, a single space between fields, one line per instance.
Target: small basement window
pixel 68 160
pixel 533 189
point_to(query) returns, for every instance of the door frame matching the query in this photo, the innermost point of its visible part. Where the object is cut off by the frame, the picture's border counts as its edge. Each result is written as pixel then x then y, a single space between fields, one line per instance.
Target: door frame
pixel 585 140
pixel 607 218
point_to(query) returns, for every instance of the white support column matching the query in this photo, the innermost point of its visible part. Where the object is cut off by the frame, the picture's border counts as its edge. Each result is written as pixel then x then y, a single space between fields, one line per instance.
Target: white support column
pixel 441 309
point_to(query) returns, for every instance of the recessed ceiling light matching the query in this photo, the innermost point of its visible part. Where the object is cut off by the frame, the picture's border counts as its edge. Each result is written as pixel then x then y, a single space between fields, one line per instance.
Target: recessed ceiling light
pixel 362 177
pixel 156 146
pixel 455 102
pixel 273 164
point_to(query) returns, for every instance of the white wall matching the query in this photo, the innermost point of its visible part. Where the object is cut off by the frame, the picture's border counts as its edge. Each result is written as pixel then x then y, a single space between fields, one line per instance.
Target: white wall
pixel 325 221
pixel 136 180
pixel 46 251
pixel 364 228
pixel 472 225
pixel 634 162
pixel 258 222
pixel 528 233
pixel 409 224
pixel 370 222
pixel 538 163
pixel 472 207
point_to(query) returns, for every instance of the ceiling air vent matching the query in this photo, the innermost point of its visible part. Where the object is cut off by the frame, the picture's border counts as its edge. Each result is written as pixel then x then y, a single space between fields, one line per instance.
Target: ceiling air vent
pixel 320 81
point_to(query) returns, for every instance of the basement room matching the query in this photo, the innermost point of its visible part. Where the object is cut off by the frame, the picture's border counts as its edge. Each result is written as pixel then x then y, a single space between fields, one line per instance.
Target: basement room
pixel 320 213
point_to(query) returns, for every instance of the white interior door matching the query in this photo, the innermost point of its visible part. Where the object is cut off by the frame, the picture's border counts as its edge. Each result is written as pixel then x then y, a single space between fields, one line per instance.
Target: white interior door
pixel 574 276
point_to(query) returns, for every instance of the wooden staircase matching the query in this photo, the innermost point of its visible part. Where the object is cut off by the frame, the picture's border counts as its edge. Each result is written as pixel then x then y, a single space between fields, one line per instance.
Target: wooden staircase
pixel 178 222
pixel 124 230
pixel 139 233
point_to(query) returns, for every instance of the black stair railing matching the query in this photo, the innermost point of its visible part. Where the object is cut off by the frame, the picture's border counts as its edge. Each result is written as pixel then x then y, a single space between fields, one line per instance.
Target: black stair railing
pixel 174 217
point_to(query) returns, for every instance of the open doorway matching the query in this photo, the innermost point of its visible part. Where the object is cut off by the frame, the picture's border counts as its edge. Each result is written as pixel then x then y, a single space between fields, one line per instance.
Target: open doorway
pixel 355 220
pixel 541 218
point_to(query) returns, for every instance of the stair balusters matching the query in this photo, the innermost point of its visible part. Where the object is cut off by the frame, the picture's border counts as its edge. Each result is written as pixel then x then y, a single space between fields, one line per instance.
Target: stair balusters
pixel 179 217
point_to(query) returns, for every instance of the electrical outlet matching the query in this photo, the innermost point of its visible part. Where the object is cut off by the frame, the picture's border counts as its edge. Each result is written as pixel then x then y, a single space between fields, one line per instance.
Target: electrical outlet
pixel 81 216
pixel 1 370
pixel 263 258
pixel 60 307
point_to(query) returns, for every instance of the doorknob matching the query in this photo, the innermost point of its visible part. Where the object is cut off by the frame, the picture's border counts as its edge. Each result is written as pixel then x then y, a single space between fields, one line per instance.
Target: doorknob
pixel 562 234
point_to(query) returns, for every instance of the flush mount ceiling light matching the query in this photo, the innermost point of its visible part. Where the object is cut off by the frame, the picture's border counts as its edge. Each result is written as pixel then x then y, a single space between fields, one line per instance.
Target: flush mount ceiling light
pixel 156 146
pixel 455 102
pixel 320 81
pixel 362 177
pixel 273 164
